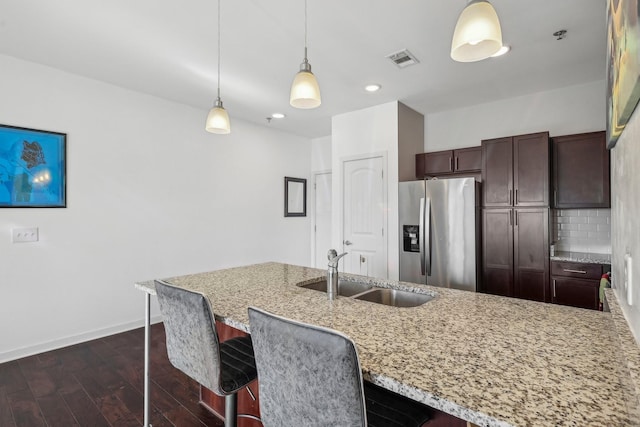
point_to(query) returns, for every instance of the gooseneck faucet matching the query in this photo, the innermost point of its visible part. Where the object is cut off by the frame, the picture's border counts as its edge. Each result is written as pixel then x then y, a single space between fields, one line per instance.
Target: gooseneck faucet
pixel 332 273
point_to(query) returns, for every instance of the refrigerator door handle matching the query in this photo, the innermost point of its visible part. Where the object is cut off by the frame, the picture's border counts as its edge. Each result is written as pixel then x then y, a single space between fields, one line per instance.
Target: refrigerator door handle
pixel 427 235
pixel 421 237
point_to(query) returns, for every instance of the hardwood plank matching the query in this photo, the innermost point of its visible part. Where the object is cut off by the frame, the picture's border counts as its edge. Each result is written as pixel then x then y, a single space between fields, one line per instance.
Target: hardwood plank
pixel 25 409
pixel 180 416
pixel 48 379
pixel 11 377
pixel 84 409
pixel 6 417
pixel 56 412
pixel 99 383
pixel 116 412
pixel 76 358
pixel 131 370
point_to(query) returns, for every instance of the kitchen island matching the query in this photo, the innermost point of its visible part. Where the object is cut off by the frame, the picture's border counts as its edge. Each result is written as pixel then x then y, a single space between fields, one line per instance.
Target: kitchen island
pixel 491 360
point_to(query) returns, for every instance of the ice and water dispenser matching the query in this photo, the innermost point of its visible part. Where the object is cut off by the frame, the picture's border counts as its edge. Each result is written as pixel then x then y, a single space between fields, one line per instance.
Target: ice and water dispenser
pixel 410 238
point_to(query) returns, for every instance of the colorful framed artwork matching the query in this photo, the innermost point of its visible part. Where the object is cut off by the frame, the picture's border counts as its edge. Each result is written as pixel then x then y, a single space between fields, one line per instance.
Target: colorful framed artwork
pixel 623 65
pixel 33 168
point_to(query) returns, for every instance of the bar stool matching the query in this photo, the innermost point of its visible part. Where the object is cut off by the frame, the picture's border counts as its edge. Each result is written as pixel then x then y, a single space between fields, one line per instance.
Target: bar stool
pixel 193 347
pixel 311 376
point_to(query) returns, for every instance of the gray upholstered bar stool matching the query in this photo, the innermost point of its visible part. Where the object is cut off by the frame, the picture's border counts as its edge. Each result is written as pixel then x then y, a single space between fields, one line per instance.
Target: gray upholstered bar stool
pixel 194 348
pixel 311 376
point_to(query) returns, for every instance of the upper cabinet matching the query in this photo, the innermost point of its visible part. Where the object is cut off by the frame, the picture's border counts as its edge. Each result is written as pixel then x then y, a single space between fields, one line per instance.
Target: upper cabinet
pixel 464 160
pixel 515 171
pixel 581 171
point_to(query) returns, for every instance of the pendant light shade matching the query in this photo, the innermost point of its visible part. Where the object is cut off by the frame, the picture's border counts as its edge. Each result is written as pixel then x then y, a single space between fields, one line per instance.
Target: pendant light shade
pixel 218 118
pixel 305 91
pixel 477 35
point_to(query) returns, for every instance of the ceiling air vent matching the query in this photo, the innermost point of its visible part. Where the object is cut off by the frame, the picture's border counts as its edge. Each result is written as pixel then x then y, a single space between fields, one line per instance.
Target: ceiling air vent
pixel 403 58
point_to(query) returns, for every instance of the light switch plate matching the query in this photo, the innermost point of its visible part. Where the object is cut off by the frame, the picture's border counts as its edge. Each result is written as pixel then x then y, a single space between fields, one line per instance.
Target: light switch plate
pixel 628 277
pixel 24 235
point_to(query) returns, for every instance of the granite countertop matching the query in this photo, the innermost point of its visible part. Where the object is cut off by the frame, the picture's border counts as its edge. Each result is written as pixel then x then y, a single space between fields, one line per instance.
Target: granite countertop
pixel 582 257
pixel 491 360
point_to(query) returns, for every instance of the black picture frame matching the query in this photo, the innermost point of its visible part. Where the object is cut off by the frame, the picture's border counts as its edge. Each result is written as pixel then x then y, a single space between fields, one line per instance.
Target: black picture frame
pixel 295 196
pixel 33 168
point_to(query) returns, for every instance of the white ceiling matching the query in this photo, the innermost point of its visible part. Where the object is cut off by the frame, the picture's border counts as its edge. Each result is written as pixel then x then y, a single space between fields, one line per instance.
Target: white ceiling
pixel 168 48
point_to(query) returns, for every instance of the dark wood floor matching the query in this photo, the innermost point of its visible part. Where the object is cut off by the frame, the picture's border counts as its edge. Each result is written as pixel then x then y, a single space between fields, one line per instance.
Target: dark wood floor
pixel 97 384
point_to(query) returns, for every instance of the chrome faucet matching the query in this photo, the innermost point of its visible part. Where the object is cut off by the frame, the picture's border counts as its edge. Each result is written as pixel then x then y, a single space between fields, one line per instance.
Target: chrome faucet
pixel 332 273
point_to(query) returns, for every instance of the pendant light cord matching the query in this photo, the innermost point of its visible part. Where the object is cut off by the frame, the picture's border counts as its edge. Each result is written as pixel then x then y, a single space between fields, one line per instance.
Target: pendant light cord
pixel 305 30
pixel 218 49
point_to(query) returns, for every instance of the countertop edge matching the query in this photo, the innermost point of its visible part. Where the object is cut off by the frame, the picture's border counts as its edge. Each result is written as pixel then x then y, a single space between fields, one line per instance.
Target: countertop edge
pixel 581 257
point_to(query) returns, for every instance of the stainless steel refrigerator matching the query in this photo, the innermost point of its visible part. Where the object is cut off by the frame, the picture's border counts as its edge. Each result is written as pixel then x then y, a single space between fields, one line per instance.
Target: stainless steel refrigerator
pixel 439 226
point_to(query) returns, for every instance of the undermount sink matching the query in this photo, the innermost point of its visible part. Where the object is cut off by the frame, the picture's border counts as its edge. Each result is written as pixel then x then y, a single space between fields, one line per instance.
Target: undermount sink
pixel 395 297
pixel 346 288
pixel 366 292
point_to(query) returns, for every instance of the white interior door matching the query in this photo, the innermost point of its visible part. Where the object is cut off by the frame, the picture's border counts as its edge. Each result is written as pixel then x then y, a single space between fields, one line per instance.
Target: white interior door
pixel 322 218
pixel 364 217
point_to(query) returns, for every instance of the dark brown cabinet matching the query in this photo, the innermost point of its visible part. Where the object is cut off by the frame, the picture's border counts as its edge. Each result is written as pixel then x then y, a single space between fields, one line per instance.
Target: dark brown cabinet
pixel 464 160
pixel 581 171
pixel 576 284
pixel 515 171
pixel 497 251
pixel 515 252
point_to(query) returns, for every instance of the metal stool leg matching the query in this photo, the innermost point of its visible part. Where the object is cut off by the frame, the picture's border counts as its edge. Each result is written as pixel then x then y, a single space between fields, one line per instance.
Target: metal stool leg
pixel 230 410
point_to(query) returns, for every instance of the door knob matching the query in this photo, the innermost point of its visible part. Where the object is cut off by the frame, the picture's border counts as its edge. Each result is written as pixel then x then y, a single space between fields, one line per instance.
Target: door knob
pixel 348 243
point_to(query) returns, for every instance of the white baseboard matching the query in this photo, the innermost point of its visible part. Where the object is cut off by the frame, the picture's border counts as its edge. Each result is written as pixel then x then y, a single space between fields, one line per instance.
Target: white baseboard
pixel 8 356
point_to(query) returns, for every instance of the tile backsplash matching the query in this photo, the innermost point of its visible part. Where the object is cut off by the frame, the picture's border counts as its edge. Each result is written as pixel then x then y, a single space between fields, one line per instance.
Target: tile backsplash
pixel 581 230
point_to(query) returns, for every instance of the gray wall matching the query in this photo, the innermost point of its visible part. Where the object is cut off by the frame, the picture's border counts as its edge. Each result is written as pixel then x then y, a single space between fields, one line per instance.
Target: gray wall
pixel 625 217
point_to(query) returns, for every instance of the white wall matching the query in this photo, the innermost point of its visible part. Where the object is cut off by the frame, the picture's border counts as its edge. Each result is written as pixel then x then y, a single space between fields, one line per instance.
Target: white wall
pixel 565 111
pixel 150 195
pixel 625 217
pixel 320 162
pixel 321 154
pixel 371 130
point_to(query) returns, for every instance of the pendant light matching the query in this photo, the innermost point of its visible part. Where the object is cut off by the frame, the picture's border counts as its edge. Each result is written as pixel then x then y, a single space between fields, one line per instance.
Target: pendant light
pixel 477 35
pixel 218 118
pixel 305 92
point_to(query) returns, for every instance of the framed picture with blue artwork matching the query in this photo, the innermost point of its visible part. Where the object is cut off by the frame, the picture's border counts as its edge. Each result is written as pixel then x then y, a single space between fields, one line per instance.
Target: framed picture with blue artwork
pixel 33 168
pixel 623 65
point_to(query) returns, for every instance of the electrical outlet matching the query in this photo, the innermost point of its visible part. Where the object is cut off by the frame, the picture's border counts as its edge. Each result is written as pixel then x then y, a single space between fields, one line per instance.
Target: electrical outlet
pixel 25 235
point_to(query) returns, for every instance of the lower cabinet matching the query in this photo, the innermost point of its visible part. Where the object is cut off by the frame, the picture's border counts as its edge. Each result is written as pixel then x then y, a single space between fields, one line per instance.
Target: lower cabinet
pixel 576 284
pixel 515 253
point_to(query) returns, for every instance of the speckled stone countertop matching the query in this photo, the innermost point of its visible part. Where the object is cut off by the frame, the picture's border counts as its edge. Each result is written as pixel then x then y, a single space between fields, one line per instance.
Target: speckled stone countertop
pixel 490 360
pixel 583 257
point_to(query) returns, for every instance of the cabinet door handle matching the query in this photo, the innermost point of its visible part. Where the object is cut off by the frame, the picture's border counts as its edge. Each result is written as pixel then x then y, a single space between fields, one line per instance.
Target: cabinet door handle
pixel 450 164
pixel 456 163
pixel 510 217
pixel 516 199
pixel 516 214
pixel 510 195
pixel 554 288
pixel 574 271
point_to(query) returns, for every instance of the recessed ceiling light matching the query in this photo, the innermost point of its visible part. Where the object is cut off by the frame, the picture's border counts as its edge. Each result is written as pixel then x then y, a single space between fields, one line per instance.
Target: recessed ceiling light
pixel 504 49
pixel 372 87
pixel 278 116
